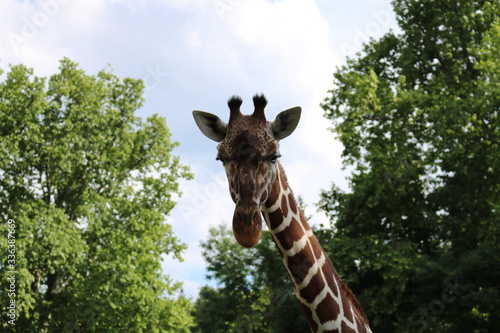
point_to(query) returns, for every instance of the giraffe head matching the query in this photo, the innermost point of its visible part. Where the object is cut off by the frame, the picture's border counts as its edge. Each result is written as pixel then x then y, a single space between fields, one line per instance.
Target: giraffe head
pixel 248 149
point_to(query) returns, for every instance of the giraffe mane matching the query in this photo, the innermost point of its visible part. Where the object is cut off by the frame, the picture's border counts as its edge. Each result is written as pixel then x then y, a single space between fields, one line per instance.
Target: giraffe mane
pixel 350 295
pixel 343 286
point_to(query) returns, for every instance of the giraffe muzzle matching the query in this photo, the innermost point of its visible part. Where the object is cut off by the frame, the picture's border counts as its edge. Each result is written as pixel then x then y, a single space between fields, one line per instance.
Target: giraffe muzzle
pixel 247 225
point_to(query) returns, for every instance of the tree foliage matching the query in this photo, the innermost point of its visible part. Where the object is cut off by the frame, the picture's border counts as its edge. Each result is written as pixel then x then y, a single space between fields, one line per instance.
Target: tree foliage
pixel 88 185
pixel 253 292
pixel 417 235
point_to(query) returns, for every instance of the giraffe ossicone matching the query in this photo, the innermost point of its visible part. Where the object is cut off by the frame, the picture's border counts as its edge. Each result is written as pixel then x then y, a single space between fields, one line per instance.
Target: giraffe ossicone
pixel 249 150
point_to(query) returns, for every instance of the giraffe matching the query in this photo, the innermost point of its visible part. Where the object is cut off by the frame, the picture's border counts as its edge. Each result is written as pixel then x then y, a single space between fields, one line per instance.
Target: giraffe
pixel 249 150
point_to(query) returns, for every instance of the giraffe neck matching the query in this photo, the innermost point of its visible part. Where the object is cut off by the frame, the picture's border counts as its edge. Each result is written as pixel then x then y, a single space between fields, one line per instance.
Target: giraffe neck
pixel 328 304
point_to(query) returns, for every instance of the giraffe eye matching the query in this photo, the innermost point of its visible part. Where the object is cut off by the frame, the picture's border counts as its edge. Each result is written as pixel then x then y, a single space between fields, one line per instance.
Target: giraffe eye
pixel 220 159
pixel 273 158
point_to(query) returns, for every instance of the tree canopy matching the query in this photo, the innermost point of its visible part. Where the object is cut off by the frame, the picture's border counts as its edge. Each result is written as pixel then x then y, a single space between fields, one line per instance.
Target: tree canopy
pixel 86 187
pixel 417 235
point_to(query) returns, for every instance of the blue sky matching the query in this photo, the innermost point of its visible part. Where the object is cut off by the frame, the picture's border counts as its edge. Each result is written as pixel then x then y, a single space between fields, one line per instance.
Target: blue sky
pixel 195 54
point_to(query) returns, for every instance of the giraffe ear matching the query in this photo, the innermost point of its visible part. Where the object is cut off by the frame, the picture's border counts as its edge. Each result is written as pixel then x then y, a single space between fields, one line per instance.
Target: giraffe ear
pixel 210 125
pixel 285 122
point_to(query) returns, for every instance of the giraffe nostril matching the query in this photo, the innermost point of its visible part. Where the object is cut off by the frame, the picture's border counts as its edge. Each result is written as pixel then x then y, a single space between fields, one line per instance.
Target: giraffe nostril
pixel 255 216
pixel 247 225
pixel 247 215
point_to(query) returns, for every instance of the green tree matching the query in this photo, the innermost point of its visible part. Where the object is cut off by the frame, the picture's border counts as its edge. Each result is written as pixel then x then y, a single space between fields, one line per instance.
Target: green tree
pixel 417 235
pixel 253 292
pixel 86 186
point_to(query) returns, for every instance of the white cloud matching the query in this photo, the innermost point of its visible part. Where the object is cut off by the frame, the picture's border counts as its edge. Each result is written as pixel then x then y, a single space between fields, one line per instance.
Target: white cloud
pixel 284 43
pixel 45 31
